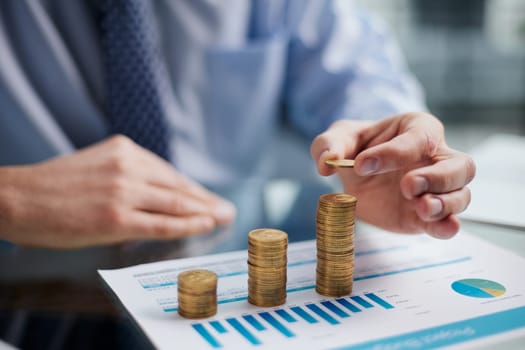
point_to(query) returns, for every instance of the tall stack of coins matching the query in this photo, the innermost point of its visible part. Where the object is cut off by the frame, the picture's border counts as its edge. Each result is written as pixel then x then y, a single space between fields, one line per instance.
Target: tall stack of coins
pixel 267 267
pixel 335 244
pixel 197 293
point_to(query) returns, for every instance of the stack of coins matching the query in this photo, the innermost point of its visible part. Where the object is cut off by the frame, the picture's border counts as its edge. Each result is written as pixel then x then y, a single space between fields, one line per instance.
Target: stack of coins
pixel 267 267
pixel 197 293
pixel 335 244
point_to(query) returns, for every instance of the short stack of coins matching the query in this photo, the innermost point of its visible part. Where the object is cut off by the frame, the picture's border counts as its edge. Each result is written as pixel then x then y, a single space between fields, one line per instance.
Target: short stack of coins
pixel 197 293
pixel 267 267
pixel 335 244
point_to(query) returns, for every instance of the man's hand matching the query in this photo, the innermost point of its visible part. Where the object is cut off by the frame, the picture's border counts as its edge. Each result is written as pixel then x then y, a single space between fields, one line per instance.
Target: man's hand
pixel 406 178
pixel 114 191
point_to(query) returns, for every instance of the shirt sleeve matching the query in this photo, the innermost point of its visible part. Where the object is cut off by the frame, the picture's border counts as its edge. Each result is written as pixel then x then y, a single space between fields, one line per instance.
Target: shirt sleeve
pixel 344 64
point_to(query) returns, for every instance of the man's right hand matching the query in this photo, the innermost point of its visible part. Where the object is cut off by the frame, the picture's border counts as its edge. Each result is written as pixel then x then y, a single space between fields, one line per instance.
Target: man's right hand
pixel 114 191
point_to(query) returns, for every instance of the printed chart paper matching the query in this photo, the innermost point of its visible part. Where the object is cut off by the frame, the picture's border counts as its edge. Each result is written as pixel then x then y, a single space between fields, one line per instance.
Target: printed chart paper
pixel 410 292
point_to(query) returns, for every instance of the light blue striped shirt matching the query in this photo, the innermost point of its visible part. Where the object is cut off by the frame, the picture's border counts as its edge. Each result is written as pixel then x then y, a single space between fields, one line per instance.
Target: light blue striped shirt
pixel 236 70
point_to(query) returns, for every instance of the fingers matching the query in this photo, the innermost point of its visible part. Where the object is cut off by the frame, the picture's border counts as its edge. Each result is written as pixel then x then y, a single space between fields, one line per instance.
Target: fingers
pixel 180 195
pixel 202 201
pixel 172 202
pixel 390 144
pixel 431 207
pixel 158 226
pixel 438 212
pixel 440 193
pixel 163 201
pixel 162 173
pixel 338 142
pixel 445 176
pixel 399 143
pixel 443 229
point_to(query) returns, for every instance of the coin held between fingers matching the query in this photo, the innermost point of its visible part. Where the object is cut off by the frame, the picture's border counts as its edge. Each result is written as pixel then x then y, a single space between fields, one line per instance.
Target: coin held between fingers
pixel 340 163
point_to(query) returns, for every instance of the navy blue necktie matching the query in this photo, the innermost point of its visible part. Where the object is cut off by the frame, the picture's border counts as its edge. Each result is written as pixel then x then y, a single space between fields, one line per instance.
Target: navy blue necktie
pixel 134 73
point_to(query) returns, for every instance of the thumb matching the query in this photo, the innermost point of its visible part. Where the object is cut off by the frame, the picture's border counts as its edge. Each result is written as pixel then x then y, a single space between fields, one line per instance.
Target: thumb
pixel 338 142
pixel 416 140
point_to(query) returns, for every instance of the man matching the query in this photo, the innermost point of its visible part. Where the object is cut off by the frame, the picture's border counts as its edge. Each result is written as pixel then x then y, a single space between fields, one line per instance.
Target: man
pixel 217 77
pixel 325 61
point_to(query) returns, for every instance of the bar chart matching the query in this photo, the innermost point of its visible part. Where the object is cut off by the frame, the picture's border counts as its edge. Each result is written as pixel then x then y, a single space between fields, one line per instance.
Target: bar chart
pixel 251 327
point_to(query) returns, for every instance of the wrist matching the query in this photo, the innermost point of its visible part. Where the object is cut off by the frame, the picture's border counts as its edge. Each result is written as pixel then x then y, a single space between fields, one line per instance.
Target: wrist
pixel 8 199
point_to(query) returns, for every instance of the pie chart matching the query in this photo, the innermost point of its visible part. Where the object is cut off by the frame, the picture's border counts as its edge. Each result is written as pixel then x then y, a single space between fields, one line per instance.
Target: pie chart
pixel 478 288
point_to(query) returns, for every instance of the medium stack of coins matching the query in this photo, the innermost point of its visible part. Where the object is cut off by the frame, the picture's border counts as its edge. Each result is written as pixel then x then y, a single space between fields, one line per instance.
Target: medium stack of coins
pixel 197 293
pixel 335 244
pixel 267 267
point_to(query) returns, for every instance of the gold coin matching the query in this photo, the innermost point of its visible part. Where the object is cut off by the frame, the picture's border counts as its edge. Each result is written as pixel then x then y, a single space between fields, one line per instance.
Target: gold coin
pixel 341 200
pixel 341 163
pixel 207 312
pixel 197 294
pixel 197 279
pixel 335 244
pixel 266 235
pixel 267 267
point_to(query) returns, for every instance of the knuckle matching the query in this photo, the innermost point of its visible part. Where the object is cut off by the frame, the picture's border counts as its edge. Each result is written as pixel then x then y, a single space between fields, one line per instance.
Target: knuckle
pixel 361 137
pixel 468 195
pixel 470 167
pixel 443 183
pixel 119 153
pixel 116 164
pixel 113 217
pixel 163 229
pixel 119 142
pixel 432 137
pixel 116 188
pixel 341 124
pixel 177 205
pixel 430 143
pixel 437 124
pixel 320 139
pixel 318 144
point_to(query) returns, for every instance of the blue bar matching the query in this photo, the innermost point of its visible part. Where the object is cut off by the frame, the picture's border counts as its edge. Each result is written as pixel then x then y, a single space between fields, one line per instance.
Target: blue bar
pixel 330 306
pixel 362 302
pixel 276 324
pixel 218 327
pixel 303 314
pixel 206 335
pixel 348 305
pixel 287 317
pixel 380 301
pixel 243 331
pixel 253 321
pixel 321 313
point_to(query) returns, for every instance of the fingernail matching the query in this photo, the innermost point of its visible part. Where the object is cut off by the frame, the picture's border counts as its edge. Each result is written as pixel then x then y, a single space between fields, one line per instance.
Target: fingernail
pixel 436 206
pixel 325 152
pixel 224 211
pixel 420 185
pixel 369 166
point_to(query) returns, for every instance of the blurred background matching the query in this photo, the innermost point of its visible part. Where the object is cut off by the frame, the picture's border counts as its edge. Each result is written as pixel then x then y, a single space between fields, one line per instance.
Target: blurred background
pixel 469 55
